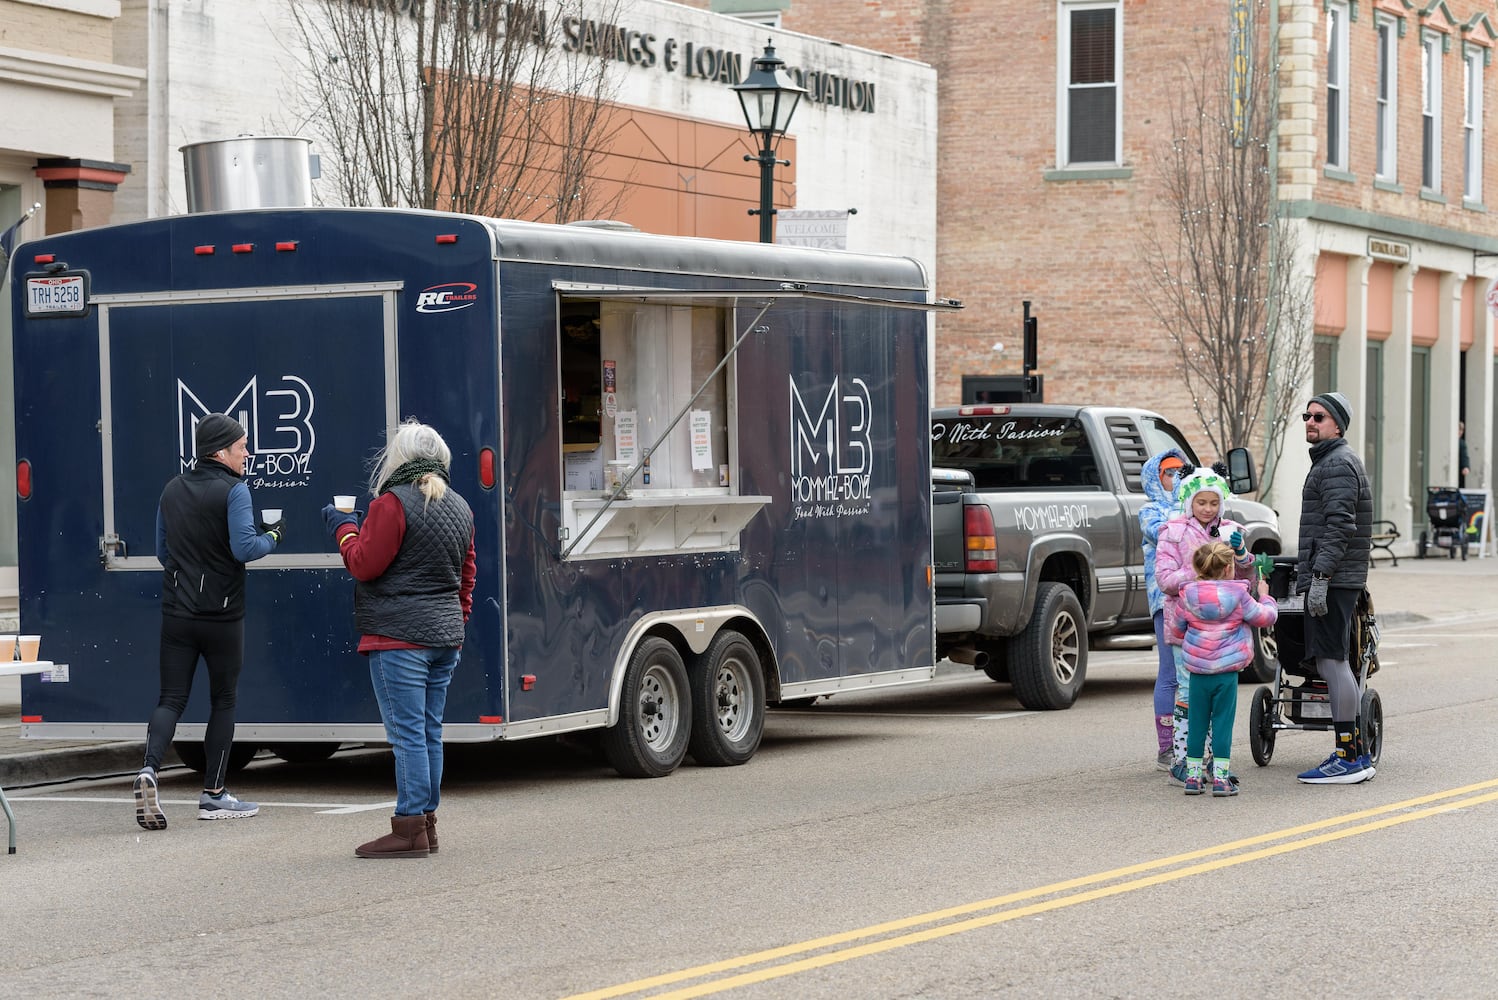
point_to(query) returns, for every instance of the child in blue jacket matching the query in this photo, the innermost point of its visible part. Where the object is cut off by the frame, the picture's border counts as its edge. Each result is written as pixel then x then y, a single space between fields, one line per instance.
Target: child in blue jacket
pixel 1159 477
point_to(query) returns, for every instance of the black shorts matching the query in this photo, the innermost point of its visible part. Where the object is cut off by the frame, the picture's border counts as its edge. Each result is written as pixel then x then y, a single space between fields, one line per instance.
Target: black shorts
pixel 1330 636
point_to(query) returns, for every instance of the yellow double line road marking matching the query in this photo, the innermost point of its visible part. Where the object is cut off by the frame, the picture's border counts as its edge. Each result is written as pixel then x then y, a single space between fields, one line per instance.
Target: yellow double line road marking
pixel 876 938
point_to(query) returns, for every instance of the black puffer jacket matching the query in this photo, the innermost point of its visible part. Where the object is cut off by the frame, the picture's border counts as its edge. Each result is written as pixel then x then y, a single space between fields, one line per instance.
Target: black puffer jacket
pixel 1336 518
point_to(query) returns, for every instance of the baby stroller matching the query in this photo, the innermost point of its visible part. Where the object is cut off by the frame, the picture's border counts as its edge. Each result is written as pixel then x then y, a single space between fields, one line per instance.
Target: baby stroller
pixel 1446 509
pixel 1299 699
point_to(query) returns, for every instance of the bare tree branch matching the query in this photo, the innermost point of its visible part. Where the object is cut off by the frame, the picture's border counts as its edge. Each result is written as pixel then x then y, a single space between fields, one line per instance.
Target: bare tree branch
pixel 1219 270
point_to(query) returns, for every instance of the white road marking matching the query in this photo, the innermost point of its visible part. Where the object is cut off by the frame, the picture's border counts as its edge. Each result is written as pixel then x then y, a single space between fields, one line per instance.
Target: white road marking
pixel 324 808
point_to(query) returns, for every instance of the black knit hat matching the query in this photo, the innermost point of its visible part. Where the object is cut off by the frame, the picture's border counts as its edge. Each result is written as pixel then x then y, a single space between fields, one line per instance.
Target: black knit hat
pixel 216 432
pixel 1337 405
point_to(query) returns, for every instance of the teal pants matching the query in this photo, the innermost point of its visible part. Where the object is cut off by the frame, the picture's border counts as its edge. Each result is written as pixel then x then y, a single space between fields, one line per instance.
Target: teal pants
pixel 1214 704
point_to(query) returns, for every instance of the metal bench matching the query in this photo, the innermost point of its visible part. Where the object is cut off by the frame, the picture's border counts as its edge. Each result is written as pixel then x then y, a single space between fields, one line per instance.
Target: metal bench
pixel 1385 534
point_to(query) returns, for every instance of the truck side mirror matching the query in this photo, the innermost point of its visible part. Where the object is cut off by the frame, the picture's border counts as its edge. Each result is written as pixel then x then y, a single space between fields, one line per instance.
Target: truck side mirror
pixel 1241 471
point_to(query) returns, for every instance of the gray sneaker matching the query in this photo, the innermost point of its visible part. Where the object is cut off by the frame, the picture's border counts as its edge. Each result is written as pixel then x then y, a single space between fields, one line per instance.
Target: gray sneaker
pixel 1164 760
pixel 147 803
pixel 225 806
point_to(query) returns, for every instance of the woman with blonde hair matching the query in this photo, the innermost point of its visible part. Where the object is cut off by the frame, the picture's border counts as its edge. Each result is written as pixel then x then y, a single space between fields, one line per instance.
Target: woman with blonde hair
pixel 412 559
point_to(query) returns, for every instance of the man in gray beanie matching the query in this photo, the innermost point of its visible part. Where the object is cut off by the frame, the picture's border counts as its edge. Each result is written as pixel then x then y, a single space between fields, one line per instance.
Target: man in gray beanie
pixel 205 533
pixel 1336 532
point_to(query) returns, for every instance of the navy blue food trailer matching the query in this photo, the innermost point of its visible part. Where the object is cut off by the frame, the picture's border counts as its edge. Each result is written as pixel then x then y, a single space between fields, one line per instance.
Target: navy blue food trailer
pixel 699 469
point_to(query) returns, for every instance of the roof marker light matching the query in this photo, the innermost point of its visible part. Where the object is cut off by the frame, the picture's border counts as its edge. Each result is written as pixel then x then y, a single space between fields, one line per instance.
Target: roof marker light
pixel 285 246
pixel 447 237
pixel 206 250
pixel 243 248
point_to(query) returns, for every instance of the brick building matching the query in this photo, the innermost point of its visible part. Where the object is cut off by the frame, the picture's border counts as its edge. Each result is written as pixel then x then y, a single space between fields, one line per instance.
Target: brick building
pixel 1386 160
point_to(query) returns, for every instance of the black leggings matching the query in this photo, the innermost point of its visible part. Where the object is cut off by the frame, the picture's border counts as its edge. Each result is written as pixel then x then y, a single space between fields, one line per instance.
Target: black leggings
pixel 221 645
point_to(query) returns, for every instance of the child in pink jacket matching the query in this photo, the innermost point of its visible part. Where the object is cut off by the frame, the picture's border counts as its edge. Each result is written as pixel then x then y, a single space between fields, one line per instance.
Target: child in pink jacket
pixel 1215 623
pixel 1201 496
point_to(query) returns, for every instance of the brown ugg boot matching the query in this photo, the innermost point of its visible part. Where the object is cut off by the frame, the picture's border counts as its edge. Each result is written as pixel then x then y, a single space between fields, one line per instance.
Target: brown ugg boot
pixel 431 819
pixel 407 839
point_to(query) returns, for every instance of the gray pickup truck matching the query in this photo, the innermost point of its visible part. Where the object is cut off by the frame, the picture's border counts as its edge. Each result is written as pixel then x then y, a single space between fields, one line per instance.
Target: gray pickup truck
pixel 1036 540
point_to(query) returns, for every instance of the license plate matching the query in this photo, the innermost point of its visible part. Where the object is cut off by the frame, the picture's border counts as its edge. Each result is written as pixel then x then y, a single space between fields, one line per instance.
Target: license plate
pixel 56 295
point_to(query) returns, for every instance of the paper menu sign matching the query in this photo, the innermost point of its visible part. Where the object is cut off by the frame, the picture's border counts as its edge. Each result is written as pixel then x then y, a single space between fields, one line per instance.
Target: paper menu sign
pixel 626 435
pixel 700 423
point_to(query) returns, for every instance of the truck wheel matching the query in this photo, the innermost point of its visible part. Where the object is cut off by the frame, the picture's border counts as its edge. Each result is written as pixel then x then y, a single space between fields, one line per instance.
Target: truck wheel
pixel 196 758
pixel 655 711
pixel 728 702
pixel 304 753
pixel 1048 661
pixel 1266 659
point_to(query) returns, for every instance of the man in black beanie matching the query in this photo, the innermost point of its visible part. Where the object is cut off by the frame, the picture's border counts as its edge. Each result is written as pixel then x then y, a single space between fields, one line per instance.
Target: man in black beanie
pixel 1336 539
pixel 205 533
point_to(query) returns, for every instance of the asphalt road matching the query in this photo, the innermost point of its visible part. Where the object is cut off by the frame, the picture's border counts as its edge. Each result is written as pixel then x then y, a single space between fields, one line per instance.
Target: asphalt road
pixel 932 841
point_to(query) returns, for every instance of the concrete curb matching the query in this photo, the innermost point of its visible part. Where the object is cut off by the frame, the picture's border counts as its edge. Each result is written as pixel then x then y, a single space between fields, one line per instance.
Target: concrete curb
pixel 44 767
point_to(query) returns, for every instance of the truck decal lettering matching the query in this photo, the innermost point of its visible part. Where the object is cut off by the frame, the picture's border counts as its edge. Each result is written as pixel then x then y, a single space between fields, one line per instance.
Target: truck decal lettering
pixel 1052 517
pixel 832 454
pixel 279 425
pixel 960 433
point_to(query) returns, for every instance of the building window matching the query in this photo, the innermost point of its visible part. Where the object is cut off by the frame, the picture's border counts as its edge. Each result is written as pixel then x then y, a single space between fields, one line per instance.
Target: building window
pixel 1430 112
pixel 1386 130
pixel 1090 60
pixel 1336 85
pixel 1472 124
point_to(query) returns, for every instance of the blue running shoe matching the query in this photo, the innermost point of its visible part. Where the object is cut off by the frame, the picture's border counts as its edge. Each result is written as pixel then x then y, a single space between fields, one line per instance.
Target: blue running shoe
pixel 147 803
pixel 225 806
pixel 1177 775
pixel 1194 784
pixel 1337 770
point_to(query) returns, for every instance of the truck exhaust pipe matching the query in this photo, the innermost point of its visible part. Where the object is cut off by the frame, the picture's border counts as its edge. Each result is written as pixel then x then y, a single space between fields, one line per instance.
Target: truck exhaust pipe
pixel 975 658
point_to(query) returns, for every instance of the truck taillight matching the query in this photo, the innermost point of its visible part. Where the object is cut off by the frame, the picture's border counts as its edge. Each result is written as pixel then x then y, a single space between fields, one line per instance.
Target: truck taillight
pixel 982 547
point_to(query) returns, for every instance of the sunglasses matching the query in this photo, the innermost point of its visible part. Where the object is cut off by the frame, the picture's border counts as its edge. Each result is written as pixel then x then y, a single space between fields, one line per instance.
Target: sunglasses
pixel 1318 417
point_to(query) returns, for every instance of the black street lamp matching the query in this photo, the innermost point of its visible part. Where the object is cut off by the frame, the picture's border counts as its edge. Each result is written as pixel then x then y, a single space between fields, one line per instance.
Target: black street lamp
pixel 769 97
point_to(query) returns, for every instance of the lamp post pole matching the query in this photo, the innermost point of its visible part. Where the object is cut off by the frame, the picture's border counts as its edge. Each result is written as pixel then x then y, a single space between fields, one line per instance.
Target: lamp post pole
pixel 768 97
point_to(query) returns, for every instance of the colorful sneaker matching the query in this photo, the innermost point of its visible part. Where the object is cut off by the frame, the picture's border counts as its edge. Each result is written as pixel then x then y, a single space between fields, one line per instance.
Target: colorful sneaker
pixel 1164 759
pixel 147 803
pixel 1337 770
pixel 225 806
pixel 1223 785
pixel 1177 775
pixel 1194 784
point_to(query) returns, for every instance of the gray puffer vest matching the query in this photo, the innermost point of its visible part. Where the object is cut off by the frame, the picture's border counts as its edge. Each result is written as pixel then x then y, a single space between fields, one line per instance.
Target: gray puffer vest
pixel 416 598
pixel 1336 518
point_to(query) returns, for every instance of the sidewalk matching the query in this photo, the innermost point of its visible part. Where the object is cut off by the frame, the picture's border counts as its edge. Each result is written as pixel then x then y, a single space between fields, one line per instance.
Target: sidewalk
pixel 1414 590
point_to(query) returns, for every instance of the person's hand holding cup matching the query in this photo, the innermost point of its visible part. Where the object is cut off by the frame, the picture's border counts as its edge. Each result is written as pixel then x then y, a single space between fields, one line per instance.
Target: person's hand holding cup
pixel 275 526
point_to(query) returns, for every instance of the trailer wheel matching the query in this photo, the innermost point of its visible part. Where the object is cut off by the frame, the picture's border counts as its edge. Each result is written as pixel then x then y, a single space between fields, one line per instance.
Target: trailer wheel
pixel 1266 662
pixel 1048 660
pixel 196 758
pixel 728 702
pixel 655 711
pixel 304 753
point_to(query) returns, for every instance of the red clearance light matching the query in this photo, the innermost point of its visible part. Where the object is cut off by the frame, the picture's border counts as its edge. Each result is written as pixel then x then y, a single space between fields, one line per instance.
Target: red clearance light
pixel 23 479
pixel 285 246
pixel 244 248
pixel 31 718
pixel 204 251
pixel 982 411
pixel 486 468
pixel 527 681
pixel 491 720
pixel 45 258
pixel 447 237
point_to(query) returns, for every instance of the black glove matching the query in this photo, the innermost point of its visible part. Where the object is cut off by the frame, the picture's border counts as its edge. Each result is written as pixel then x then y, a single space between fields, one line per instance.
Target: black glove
pixel 1316 597
pixel 276 530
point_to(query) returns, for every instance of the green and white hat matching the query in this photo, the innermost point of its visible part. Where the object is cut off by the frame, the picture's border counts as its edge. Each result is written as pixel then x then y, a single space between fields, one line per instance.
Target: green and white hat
pixel 1199 480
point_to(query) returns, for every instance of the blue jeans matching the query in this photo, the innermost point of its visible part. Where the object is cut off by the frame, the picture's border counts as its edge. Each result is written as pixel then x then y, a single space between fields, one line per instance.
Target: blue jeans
pixel 411 687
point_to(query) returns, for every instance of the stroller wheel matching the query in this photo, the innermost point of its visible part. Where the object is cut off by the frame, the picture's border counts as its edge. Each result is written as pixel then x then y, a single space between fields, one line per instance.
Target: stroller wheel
pixel 1261 727
pixel 1420 546
pixel 1371 722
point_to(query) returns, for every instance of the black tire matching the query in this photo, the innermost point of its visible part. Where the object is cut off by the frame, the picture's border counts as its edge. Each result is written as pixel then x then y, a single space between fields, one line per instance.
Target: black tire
pixel 1421 546
pixel 728 702
pixel 1266 659
pixel 1371 724
pixel 1261 727
pixel 655 713
pixel 304 753
pixel 998 659
pixel 1048 662
pixel 196 758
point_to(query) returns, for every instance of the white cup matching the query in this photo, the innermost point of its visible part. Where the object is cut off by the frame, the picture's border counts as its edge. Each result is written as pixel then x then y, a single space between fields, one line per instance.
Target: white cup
pixel 270 515
pixel 344 502
pixel 7 648
pixel 31 645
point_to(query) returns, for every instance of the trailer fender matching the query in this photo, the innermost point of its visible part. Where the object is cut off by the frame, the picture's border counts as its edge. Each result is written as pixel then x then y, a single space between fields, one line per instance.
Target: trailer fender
pixel 692 630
